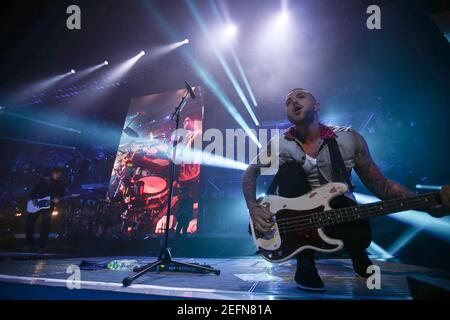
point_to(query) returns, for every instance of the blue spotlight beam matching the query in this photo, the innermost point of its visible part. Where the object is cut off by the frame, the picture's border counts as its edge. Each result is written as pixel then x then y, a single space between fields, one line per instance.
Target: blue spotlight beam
pixel 378 251
pixel 215 10
pixel 244 77
pixel 54 125
pixel 188 155
pixel 404 239
pixel 202 73
pixel 38 143
pixel 221 59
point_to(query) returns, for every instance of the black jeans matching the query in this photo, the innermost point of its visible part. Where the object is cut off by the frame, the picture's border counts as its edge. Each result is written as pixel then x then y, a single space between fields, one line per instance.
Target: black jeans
pixel 182 225
pixel 46 216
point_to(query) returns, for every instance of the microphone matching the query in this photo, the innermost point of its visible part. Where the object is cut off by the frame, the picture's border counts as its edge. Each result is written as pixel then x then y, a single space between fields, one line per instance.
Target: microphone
pixel 189 88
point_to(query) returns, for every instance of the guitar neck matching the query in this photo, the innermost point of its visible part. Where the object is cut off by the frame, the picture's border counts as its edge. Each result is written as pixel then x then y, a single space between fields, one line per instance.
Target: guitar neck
pixel 354 213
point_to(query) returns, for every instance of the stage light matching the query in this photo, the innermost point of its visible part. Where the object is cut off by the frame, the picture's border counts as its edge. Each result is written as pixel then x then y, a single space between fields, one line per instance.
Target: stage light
pixel 45 84
pixel 120 70
pixel 55 213
pixel 204 75
pixel 239 66
pixel 230 31
pixel 105 63
pixel 283 18
pixel 428 187
pixel 167 48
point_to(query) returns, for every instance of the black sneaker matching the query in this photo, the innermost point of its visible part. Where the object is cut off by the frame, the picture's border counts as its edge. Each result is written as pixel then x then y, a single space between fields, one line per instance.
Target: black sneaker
pixel 361 262
pixel 307 277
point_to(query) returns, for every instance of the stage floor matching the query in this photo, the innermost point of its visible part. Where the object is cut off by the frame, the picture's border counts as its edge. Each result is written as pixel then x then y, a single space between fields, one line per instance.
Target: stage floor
pixel 240 278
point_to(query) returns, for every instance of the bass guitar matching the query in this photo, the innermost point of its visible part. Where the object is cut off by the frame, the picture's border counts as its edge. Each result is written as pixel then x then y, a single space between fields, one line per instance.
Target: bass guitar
pixel 298 222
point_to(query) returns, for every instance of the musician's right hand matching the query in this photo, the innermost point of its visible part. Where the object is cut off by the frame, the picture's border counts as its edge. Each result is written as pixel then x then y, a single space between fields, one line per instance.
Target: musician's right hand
pixel 261 217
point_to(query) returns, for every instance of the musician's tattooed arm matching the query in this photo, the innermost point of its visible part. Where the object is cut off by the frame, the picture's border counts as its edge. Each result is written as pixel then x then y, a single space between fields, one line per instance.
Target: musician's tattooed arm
pixel 264 160
pixel 261 217
pixel 372 177
pixel 249 184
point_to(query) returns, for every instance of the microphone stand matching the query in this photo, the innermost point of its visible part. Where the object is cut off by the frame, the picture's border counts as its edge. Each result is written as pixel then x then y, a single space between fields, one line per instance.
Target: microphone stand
pixel 165 257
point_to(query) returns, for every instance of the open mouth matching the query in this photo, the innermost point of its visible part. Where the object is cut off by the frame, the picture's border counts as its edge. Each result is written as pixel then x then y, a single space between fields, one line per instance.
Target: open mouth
pixel 297 109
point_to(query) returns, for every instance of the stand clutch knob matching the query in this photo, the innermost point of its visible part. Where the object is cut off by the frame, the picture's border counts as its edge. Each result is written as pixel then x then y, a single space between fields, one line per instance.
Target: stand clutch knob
pixel 127 281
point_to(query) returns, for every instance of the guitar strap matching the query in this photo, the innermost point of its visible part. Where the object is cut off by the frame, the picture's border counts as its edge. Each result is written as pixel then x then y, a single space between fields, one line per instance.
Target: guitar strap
pixel 339 170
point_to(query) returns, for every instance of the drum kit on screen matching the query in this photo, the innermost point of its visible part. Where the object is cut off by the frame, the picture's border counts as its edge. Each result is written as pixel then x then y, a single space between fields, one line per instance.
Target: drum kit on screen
pixel 140 181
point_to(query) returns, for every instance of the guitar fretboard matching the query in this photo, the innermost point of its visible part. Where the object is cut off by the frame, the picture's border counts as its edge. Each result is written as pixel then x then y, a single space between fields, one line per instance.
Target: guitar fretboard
pixel 336 216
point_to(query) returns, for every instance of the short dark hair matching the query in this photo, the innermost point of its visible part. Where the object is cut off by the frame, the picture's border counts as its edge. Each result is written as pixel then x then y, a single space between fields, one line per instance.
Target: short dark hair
pixel 302 89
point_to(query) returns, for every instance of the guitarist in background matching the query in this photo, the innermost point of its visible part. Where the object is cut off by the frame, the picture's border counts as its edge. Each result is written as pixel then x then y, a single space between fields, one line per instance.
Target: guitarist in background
pixel 311 154
pixel 51 186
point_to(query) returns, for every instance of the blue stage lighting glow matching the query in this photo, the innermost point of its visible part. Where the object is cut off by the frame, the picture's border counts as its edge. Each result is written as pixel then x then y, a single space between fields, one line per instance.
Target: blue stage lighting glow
pixel 190 155
pixel 378 251
pixel 221 59
pixel 404 239
pixel 439 227
pixel 235 57
pixel 203 74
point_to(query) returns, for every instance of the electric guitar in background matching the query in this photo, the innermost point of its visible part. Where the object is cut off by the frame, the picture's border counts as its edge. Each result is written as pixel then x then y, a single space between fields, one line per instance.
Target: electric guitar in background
pixel 37 205
pixel 298 221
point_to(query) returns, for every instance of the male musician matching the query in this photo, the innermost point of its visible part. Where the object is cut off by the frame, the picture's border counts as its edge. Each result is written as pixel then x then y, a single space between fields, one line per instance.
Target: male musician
pixel 51 186
pixel 309 157
pixel 185 212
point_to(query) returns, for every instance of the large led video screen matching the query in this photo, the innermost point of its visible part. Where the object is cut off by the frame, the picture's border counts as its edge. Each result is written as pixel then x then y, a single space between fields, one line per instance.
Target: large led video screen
pixel 139 184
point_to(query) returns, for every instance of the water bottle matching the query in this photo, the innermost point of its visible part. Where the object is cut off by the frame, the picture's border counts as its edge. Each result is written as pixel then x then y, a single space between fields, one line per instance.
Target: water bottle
pixel 127 265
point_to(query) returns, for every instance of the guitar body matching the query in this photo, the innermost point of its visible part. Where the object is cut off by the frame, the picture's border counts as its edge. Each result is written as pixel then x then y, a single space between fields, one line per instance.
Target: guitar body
pixel 42 203
pixel 283 242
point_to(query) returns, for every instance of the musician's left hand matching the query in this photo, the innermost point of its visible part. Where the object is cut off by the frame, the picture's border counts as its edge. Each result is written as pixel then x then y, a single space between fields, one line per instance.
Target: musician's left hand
pixel 443 209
